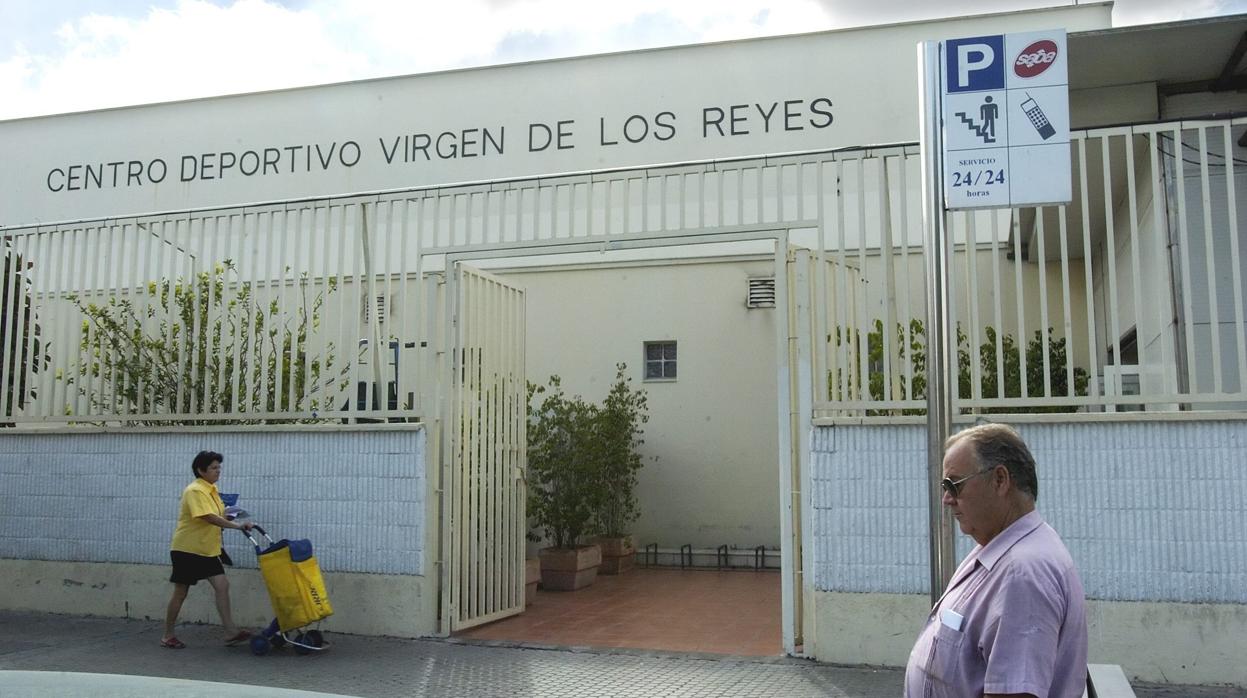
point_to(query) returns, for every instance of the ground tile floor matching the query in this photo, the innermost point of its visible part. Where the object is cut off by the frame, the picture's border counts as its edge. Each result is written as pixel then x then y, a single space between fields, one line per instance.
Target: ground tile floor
pixel 731 612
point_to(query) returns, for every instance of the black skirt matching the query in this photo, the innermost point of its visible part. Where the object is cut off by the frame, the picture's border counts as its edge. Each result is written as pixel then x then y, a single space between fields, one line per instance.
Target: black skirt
pixel 189 568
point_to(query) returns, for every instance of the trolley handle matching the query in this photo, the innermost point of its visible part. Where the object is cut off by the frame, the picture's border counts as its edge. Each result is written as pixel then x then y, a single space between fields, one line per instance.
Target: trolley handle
pixel 250 537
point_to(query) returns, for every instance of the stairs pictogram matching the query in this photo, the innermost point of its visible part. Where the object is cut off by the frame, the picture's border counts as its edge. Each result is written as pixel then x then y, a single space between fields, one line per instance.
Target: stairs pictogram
pixel 980 131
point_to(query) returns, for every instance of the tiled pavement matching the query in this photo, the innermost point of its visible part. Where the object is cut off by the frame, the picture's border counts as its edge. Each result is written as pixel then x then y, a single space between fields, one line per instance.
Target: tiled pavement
pixel 374 666
pixel 728 612
pixel 371 666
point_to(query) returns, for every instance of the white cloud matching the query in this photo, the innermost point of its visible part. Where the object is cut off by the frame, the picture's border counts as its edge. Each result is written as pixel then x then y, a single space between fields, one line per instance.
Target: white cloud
pixel 193 50
pixel 196 48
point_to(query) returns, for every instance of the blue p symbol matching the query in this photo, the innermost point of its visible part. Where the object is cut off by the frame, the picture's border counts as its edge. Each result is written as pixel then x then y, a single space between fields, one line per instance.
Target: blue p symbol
pixel 975 64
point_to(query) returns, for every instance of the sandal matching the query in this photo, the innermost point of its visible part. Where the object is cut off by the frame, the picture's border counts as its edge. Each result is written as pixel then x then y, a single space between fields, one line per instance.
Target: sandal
pixel 172 643
pixel 239 637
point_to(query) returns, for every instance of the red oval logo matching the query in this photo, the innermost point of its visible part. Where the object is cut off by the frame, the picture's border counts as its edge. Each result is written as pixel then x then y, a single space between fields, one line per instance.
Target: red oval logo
pixel 1035 59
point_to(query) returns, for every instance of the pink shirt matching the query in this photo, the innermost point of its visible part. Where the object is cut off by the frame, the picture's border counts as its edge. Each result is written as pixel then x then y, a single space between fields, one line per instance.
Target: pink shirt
pixel 1013 620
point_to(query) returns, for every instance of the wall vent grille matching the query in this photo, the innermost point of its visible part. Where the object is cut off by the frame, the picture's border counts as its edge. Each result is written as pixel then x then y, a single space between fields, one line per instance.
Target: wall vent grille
pixel 761 292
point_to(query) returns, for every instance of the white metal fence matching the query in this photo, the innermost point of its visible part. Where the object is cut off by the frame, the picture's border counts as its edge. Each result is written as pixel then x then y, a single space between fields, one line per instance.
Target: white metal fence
pixel 1131 297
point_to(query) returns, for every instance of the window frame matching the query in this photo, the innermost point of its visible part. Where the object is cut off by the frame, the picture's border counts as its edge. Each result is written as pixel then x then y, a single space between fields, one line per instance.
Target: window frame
pixel 662 361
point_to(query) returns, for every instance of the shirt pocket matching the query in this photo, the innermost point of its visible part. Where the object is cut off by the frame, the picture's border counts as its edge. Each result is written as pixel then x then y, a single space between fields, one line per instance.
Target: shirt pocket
pixel 945 667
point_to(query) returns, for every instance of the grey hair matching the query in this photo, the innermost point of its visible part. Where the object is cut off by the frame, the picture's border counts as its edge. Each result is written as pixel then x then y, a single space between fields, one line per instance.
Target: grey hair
pixel 1000 444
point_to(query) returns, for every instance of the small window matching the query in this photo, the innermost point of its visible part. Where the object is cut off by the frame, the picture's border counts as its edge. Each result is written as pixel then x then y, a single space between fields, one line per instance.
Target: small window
pixel 659 361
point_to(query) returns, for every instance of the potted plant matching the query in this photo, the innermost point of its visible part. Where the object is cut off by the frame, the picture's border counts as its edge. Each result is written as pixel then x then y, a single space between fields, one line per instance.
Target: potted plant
pixel 620 419
pixel 564 486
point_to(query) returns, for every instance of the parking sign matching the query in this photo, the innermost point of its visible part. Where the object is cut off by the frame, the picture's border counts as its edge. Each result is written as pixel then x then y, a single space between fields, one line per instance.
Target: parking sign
pixel 1005 108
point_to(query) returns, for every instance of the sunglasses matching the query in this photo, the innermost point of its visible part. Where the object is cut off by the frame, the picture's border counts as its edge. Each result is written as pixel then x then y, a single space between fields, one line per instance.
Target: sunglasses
pixel 953 487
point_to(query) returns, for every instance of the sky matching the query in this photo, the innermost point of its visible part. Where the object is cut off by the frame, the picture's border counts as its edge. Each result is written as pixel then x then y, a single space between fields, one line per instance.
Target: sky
pixel 72 55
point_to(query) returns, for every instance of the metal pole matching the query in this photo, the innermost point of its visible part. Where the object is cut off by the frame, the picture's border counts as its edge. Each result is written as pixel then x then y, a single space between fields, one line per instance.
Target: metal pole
pixel 939 350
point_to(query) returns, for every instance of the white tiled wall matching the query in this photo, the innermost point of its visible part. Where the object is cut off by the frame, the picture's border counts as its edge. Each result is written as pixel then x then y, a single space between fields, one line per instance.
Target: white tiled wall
pixel 1151 511
pixel 359 496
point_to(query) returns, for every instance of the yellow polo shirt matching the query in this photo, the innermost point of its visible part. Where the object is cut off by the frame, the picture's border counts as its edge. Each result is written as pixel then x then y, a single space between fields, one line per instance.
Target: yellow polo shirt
pixel 194 535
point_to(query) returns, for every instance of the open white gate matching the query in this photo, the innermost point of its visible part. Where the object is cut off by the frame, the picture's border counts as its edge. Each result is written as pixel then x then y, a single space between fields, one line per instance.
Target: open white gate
pixel 484 468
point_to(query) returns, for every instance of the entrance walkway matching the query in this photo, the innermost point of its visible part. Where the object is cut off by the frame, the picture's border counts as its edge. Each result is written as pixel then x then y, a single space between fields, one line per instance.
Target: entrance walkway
pixel 718 612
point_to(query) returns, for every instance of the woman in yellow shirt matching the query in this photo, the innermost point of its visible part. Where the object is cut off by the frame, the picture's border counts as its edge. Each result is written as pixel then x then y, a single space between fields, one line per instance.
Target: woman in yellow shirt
pixel 196 548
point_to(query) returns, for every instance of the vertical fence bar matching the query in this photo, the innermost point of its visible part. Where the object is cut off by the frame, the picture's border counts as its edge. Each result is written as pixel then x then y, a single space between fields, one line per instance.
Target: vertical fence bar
pixel 1067 306
pixel 863 339
pixel 1110 258
pixel 173 325
pixel 907 316
pixel 1186 287
pixel 13 293
pixel 24 308
pixel 180 330
pixel 27 306
pixel 291 233
pixel 50 253
pixel 144 392
pixel 846 369
pixel 740 195
pixel 1045 338
pixel 1210 258
pixel 998 305
pixel 214 251
pixel 93 289
pixel 210 249
pixel 329 281
pixel 244 350
pixel 1088 257
pixel 1160 247
pixel 1019 262
pixel 1136 268
pixel 1236 271
pixel 196 331
pixel 886 252
pixel 63 365
pixel 822 389
pixel 266 241
pixel 972 295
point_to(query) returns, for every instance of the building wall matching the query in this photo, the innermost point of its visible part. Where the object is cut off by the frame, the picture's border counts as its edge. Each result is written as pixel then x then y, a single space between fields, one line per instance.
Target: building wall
pixel 1152 511
pixel 367 133
pixel 86 517
pixel 710 474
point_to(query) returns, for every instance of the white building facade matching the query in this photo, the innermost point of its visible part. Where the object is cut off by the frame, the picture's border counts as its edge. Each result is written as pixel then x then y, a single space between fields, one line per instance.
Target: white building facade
pixel 753 205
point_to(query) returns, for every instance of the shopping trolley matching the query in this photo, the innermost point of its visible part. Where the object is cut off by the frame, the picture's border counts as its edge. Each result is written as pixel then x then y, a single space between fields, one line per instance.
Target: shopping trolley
pixel 297 592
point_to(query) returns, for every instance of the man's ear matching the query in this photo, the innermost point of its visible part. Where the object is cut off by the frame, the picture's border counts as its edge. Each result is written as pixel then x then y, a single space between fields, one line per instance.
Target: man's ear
pixel 1001 476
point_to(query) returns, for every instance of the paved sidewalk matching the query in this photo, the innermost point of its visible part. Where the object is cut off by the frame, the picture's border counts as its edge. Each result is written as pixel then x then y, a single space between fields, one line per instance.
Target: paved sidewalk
pixel 370 666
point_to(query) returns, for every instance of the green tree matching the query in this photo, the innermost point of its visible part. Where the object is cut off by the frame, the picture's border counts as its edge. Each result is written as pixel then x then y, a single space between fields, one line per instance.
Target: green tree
pixel 180 350
pixel 843 383
pixel 23 353
pixel 619 431
pixel 564 457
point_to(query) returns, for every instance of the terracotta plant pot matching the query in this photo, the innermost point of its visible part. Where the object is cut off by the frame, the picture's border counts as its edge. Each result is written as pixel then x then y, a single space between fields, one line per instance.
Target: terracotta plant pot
pixel 532 575
pixel 618 554
pixel 568 569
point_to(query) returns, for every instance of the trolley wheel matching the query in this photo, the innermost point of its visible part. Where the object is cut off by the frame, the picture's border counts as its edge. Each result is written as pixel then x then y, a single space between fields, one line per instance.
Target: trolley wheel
pixel 299 641
pixel 259 645
pixel 279 640
pixel 315 638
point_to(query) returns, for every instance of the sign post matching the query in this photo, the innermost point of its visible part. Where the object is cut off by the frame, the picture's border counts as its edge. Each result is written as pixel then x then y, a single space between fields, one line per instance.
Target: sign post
pixel 995 134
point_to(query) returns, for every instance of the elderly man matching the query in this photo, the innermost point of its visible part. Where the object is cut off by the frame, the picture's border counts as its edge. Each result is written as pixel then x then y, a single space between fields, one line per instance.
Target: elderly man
pixel 1013 620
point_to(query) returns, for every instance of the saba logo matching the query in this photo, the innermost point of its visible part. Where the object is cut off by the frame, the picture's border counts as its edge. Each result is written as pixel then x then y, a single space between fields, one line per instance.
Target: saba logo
pixel 1035 59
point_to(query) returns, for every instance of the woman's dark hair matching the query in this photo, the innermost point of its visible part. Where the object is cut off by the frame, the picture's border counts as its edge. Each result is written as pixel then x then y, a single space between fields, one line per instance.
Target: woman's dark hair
pixel 203 460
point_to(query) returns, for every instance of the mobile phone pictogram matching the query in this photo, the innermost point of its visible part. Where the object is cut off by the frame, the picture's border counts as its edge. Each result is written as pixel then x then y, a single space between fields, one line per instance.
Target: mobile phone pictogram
pixel 1037 118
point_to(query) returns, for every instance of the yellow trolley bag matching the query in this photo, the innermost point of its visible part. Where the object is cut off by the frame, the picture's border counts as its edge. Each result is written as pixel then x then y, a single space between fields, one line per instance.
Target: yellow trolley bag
pixel 297 592
pixel 295 585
